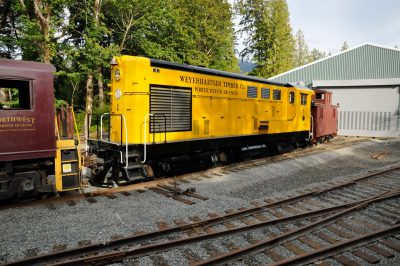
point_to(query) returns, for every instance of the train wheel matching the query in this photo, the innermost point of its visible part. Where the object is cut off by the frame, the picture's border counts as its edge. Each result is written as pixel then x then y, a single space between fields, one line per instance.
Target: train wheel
pixel 21 196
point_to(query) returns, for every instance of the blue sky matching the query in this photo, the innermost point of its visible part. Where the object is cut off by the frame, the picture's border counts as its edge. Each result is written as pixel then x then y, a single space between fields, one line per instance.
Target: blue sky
pixel 326 24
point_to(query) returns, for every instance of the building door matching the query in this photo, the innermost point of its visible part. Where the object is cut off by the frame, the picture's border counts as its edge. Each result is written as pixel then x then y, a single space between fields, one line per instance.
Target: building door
pixel 371 112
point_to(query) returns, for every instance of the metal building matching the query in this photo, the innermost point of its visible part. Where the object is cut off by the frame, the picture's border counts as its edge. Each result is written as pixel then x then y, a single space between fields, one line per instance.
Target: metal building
pixel 365 81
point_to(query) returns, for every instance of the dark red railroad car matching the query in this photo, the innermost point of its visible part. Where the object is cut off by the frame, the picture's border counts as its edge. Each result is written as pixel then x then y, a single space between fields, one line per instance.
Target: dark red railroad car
pixel 324 115
pixel 26 111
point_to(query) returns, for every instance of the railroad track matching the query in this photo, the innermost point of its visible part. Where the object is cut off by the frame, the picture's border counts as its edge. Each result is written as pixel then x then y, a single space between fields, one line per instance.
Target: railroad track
pixel 335 223
pixel 164 183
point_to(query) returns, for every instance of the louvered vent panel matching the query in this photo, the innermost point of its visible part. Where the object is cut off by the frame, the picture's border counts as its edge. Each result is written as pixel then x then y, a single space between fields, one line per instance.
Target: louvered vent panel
pixel 251 92
pixel 173 103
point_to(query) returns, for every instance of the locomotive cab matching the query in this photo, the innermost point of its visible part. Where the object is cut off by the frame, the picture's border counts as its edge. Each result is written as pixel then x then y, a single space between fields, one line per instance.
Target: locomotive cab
pixel 32 159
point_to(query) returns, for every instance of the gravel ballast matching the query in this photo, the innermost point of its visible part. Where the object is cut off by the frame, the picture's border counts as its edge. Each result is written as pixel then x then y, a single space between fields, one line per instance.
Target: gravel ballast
pixel 41 227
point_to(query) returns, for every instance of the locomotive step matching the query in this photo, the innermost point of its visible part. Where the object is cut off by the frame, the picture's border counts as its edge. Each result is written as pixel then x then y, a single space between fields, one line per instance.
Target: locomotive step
pixel 133 155
pixel 133 167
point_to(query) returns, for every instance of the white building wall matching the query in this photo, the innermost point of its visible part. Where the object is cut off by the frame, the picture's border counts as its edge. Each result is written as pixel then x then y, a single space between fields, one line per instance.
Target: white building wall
pixel 371 111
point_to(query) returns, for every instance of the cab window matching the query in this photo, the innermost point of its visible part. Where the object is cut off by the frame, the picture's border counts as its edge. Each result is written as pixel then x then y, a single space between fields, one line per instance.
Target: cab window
pixel 303 99
pixel 15 95
pixel 277 94
pixel 291 97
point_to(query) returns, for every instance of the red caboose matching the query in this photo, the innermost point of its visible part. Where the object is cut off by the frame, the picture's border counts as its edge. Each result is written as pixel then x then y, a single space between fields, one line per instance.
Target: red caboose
pixel 324 126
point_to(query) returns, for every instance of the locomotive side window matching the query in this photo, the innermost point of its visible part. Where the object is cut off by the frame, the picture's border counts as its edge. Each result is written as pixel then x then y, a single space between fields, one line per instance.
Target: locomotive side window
pixel 303 99
pixel 277 94
pixel 15 95
pixel 291 97
pixel 265 93
pixel 251 92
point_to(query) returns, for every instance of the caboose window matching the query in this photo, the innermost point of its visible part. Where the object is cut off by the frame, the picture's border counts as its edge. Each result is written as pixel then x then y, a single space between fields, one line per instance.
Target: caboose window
pixel 291 97
pixel 277 94
pixel 15 95
pixel 251 92
pixel 320 96
pixel 265 93
pixel 303 99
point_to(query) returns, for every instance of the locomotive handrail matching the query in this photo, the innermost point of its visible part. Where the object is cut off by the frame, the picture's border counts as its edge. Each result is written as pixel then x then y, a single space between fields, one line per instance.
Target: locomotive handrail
pixel 145 138
pixel 311 132
pixel 165 126
pixel 123 119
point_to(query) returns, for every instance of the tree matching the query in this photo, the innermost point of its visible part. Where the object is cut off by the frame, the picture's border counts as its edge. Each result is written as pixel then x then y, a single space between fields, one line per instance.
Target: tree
pixel 41 20
pixel 270 43
pixel 302 54
pixel 344 47
pixel 316 55
pixel 161 30
pixel 89 51
pixel 8 35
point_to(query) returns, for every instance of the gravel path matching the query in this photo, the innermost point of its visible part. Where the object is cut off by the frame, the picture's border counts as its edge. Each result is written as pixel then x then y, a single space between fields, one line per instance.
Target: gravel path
pixel 41 227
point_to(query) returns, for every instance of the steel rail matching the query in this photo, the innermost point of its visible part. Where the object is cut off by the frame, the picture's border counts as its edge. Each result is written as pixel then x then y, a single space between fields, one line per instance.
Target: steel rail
pixel 208 222
pixel 85 195
pixel 159 247
pixel 95 248
pixel 141 251
pixel 331 250
pixel 263 245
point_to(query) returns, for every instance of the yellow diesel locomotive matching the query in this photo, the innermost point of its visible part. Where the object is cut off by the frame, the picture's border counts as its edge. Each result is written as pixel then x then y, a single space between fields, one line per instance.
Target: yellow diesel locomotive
pixel 166 118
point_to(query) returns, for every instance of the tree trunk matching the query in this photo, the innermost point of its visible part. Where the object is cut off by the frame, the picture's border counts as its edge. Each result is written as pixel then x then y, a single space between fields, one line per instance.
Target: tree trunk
pixel 101 87
pixel 89 104
pixel 44 24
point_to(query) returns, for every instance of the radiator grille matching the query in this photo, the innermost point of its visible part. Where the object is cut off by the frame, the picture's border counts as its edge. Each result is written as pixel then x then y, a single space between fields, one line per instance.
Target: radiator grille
pixel 173 103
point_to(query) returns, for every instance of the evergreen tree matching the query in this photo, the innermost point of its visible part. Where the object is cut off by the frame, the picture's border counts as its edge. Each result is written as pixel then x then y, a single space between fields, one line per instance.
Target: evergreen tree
pixel 344 47
pixel 302 54
pixel 270 43
pixel 316 55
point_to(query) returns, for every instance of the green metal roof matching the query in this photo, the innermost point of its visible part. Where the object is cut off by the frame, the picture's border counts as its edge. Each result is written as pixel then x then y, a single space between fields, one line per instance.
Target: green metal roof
pixel 367 61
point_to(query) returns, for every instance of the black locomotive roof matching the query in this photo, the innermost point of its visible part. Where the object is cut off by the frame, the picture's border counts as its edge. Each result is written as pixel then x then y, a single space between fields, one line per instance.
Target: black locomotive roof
pixel 213 72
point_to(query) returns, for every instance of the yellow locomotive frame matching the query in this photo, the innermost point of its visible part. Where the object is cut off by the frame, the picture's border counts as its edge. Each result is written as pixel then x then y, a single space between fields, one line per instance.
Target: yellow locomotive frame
pixel 222 104
pixel 167 117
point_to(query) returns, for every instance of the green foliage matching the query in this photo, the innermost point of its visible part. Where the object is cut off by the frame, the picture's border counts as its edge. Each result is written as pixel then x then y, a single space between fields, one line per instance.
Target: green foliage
pixel 269 43
pixel 58 103
pixel 197 32
pixel 97 112
pixel 302 54
pixel 316 55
